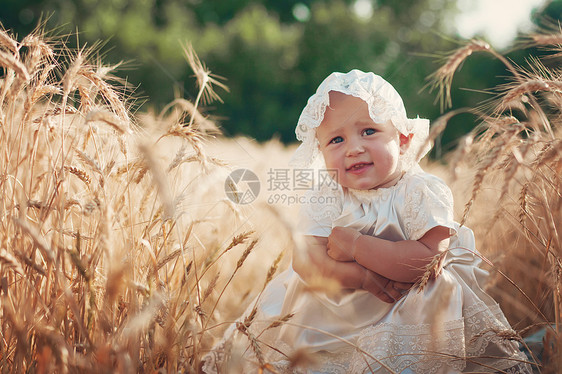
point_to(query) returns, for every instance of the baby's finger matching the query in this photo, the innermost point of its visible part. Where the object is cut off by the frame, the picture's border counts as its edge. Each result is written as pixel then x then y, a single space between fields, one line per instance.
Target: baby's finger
pixel 402 286
pixel 386 298
pixel 381 294
pixel 377 288
pixel 393 293
pixel 339 256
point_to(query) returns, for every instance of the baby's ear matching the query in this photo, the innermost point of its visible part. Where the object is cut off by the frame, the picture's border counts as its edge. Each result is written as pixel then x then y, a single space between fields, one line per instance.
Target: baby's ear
pixel 405 142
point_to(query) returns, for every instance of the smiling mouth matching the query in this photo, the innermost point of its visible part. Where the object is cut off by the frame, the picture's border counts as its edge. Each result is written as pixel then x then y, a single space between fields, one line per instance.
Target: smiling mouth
pixel 358 167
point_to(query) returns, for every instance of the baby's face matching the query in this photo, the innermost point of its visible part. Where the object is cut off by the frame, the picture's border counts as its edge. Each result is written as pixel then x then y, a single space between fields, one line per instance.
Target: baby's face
pixel 362 154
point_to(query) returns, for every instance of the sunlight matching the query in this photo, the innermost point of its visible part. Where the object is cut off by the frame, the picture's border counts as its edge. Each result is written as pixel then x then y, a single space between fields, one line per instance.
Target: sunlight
pixel 498 20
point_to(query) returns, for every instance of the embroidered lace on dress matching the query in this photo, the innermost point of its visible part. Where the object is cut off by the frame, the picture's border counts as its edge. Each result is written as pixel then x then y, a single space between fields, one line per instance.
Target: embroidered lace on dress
pixel 368 196
pixel 323 203
pixel 455 346
pixel 427 205
pixel 461 345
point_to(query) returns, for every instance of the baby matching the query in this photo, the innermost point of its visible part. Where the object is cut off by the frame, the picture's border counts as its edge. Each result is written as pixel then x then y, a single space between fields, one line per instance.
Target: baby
pixel 386 221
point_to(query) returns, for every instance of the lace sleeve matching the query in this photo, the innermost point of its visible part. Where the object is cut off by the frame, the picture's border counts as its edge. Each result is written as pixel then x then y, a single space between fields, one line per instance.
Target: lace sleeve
pixel 428 204
pixel 321 206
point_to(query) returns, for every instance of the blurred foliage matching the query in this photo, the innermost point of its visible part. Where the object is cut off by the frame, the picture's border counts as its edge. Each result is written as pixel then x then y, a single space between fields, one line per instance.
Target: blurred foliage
pixel 273 54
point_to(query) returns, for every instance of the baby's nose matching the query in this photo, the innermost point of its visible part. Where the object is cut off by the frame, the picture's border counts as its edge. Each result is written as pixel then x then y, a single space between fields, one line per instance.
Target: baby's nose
pixel 355 149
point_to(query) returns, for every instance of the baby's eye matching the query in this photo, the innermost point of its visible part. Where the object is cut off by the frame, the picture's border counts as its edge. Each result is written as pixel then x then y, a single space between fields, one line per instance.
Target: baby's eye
pixel 337 139
pixel 368 131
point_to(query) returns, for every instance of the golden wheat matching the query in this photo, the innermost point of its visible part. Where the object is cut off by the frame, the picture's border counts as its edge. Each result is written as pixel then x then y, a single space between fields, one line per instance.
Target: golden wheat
pixel 107 270
pixel 119 251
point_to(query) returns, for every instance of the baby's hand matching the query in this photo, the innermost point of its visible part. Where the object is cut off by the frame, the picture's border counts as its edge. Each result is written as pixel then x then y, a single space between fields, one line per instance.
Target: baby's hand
pixel 341 242
pixel 385 289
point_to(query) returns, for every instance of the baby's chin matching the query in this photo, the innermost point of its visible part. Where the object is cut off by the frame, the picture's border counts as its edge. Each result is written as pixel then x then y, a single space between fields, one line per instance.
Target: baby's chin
pixel 359 186
pixel 367 185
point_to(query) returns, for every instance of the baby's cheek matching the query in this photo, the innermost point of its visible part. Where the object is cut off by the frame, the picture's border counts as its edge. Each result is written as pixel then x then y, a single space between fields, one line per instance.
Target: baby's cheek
pixel 389 156
pixel 334 174
pixel 332 166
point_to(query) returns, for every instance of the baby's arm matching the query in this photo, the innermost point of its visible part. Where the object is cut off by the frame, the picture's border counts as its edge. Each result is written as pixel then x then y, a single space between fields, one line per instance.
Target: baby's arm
pixel 402 261
pixel 349 274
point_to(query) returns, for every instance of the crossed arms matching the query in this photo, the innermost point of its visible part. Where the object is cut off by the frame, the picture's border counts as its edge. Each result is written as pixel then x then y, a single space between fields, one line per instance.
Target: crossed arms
pixel 382 267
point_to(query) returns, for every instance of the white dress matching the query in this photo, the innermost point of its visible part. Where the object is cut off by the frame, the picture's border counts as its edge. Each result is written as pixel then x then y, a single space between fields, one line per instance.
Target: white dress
pixel 449 326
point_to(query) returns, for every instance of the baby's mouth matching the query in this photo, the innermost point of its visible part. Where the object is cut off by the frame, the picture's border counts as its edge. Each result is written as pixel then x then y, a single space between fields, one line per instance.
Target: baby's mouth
pixel 358 166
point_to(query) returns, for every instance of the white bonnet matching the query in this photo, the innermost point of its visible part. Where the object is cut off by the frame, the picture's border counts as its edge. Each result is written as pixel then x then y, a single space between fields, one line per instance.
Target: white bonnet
pixel 384 103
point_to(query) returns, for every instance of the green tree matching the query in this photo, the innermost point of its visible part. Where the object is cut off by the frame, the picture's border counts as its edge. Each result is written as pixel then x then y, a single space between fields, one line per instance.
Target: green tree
pixel 272 53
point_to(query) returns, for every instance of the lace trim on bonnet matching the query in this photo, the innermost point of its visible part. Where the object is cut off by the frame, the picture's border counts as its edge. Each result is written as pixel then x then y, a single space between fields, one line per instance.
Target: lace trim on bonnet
pixel 384 103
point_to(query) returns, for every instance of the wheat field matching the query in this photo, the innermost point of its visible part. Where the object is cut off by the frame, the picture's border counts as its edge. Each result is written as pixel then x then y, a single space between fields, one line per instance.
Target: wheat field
pixel 121 252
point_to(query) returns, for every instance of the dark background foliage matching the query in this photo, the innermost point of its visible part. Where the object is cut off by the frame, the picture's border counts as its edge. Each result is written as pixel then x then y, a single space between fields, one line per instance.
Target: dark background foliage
pixel 273 54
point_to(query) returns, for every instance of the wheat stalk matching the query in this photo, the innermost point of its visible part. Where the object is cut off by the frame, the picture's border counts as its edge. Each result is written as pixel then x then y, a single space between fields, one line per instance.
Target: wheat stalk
pixel 205 79
pixel 10 261
pixel 443 77
pixel 8 42
pixel 10 61
pixel 110 119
